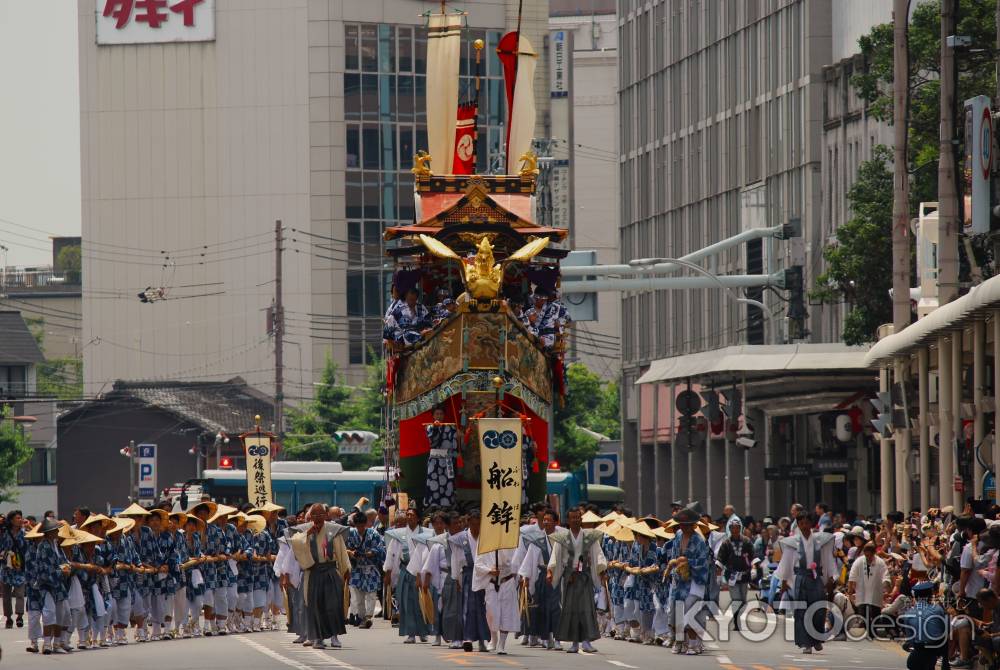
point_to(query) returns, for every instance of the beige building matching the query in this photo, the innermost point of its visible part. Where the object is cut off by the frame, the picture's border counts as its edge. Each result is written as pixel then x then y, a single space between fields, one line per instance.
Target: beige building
pixel 307 111
pixel 591 36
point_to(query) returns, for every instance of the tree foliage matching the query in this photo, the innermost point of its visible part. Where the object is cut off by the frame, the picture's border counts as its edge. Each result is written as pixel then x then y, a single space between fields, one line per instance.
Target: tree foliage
pixel 859 262
pixel 14 452
pixel 976 76
pixel 591 403
pixel 61 378
pixel 69 262
pixel 337 407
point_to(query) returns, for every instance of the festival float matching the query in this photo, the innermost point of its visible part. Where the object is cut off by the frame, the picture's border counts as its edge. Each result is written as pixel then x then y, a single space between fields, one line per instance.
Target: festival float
pixel 473 239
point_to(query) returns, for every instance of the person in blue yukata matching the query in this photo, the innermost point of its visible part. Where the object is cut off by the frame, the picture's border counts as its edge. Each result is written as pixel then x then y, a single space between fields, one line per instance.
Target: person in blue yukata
pixel 646 571
pixel 12 579
pixel 409 320
pixel 367 551
pixel 144 549
pixel 33 596
pixel 49 574
pixel 688 568
pixel 240 620
pixel 194 578
pixel 259 571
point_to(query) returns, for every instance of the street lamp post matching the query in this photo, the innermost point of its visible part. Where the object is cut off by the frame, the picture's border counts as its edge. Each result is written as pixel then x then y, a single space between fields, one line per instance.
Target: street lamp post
pixel 642 262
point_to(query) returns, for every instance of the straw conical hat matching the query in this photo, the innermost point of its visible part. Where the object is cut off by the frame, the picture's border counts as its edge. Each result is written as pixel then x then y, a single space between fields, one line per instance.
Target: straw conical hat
pixel 83 537
pixel 134 510
pixel 664 533
pixel 65 532
pixel 98 519
pixel 623 534
pixel 256 523
pixel 221 511
pixel 611 516
pixel 640 528
pixel 122 524
pixel 34 533
pixel 266 509
pixel 207 504
pixel 610 528
pixel 590 517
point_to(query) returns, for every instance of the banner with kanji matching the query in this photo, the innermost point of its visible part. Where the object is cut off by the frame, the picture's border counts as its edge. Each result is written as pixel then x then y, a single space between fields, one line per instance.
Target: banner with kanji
pixel 258 448
pixel 501 462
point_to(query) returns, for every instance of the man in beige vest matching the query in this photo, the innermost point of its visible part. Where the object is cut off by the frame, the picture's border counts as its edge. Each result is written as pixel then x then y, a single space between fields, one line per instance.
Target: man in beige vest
pixel 322 555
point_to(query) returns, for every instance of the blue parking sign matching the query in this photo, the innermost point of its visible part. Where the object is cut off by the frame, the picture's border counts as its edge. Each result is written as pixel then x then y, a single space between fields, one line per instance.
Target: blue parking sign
pixel 603 469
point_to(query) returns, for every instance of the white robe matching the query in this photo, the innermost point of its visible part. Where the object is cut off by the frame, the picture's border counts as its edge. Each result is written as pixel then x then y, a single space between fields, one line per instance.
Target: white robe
pixel 868 589
pixel 502 610
pixel 530 565
pixel 790 557
pixel 558 559
pixel 435 564
pixel 285 564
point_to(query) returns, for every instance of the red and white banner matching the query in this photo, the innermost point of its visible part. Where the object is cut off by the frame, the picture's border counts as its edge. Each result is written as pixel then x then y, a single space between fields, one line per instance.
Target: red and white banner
pixel 465 139
pixel 518 59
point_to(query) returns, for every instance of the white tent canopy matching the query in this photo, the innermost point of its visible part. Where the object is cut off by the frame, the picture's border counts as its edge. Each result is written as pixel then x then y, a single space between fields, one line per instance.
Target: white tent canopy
pixel 750 359
pixel 973 305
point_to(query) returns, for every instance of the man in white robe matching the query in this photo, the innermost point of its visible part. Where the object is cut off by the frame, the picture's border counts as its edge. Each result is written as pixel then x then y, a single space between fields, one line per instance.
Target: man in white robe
pixel 806 573
pixel 577 564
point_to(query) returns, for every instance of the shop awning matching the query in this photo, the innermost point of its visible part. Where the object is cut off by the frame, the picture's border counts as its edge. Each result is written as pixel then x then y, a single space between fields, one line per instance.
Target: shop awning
pixel 755 361
pixel 974 305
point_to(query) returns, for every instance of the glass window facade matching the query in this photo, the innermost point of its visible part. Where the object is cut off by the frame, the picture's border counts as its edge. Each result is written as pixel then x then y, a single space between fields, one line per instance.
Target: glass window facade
pixel 385 114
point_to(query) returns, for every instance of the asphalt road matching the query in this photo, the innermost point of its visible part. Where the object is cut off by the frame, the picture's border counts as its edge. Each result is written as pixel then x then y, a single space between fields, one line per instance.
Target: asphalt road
pixel 382 648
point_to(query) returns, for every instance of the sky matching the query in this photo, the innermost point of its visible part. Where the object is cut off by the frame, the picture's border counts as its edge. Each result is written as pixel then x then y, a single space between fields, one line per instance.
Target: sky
pixel 39 128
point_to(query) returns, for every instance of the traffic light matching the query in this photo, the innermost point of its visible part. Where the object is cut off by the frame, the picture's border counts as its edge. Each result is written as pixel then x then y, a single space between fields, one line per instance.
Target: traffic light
pixel 883 408
pixel 734 404
pixel 796 314
pixel 711 409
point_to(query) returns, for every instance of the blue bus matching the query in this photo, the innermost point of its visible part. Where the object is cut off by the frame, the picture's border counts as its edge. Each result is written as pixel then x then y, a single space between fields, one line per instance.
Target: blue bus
pixel 296 483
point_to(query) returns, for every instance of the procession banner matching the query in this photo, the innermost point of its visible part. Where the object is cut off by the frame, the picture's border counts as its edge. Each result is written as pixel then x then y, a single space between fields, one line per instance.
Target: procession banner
pixel 500 458
pixel 258 448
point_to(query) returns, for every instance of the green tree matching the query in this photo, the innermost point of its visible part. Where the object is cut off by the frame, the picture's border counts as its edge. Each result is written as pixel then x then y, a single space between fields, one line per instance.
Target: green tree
pixel 337 407
pixel 976 75
pixel 859 263
pixel 590 403
pixel 61 378
pixel 14 452
pixel 68 261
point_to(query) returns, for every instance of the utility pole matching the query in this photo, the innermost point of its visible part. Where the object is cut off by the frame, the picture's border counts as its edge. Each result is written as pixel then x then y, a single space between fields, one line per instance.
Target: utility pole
pixel 947 188
pixel 900 240
pixel 279 336
pixel 901 177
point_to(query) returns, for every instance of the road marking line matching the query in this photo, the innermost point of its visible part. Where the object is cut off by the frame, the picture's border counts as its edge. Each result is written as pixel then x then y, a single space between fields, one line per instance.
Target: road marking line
pixel 724 660
pixel 291 662
pixel 623 665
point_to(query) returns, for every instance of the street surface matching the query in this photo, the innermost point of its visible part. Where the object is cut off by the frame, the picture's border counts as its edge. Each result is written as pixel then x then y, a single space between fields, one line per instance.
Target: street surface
pixel 381 648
